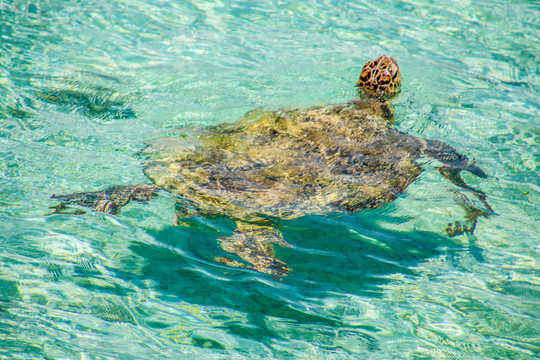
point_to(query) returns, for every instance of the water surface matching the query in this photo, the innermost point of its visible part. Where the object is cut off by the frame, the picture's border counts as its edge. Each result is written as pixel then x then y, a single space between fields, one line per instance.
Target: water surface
pixel 85 84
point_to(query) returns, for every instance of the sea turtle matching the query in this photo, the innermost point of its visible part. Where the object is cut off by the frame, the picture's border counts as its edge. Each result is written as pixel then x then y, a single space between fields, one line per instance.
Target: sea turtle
pixel 278 165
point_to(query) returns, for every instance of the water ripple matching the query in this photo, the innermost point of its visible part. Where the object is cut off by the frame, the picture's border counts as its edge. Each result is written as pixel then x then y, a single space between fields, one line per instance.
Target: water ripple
pixel 83 86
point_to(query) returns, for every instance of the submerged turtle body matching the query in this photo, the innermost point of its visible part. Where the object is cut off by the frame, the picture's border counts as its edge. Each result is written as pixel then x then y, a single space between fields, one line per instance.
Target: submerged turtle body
pixel 276 165
pixel 286 164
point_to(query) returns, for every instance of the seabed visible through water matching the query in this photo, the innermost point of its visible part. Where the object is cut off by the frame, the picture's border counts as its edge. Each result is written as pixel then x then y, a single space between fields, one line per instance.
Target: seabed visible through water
pixel 86 85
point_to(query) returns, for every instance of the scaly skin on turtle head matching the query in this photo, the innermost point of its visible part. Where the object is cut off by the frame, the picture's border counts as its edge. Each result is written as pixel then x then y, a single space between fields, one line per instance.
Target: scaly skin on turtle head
pixel 380 78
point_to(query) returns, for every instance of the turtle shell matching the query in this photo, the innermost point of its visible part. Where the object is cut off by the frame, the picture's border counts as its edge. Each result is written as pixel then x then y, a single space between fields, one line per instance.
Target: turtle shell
pixel 284 164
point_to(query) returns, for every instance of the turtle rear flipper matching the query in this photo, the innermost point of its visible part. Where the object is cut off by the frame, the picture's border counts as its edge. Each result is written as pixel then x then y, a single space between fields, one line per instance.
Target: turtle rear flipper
pixel 110 200
pixel 253 244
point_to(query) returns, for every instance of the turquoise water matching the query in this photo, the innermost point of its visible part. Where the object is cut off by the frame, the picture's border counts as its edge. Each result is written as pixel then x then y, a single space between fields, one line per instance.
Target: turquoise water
pixel 85 84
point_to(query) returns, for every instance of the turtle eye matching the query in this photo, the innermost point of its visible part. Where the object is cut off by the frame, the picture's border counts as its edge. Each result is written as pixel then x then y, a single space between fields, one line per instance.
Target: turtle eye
pixel 365 75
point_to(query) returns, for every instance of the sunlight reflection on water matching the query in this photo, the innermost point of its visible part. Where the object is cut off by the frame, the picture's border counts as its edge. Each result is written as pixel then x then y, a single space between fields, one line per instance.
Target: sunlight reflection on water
pixel 85 85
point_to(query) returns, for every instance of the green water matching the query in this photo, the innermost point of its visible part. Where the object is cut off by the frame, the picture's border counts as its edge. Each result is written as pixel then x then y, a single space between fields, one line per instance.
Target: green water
pixel 85 84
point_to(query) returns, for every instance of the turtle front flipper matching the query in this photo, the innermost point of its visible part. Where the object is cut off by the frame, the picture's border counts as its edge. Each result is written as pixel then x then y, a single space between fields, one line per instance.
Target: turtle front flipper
pixel 472 212
pixel 109 200
pixel 454 175
pixel 253 243
pixel 453 164
pixel 450 157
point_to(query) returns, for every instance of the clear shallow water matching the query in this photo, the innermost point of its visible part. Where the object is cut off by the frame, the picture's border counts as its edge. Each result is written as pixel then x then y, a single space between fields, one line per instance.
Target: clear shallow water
pixel 383 283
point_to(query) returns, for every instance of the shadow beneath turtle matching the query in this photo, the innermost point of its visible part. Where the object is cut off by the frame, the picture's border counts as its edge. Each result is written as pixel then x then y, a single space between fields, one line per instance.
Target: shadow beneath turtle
pixel 328 258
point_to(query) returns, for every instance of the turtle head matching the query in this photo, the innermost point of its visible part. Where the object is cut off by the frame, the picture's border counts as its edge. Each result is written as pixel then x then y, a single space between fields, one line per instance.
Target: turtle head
pixel 380 78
